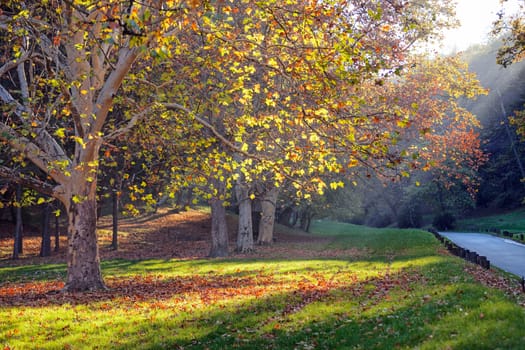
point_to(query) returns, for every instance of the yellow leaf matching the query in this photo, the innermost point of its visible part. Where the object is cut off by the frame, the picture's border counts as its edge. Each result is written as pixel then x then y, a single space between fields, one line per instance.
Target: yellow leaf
pixel 272 62
pixel 61 133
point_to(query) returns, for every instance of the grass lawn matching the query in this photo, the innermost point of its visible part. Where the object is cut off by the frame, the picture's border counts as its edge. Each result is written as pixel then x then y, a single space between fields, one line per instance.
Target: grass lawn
pixel 512 221
pixel 359 288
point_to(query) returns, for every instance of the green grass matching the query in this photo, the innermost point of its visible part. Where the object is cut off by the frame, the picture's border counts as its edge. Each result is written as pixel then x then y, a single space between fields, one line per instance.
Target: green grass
pixel 394 291
pixel 512 221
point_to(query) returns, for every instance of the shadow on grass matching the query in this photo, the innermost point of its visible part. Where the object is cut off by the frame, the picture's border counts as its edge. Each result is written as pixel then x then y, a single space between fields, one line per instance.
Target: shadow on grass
pixel 430 305
pixel 455 317
pixel 161 280
pixel 346 317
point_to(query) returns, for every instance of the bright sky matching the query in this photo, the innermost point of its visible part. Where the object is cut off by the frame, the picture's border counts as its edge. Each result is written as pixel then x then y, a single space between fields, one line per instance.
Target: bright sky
pixel 476 17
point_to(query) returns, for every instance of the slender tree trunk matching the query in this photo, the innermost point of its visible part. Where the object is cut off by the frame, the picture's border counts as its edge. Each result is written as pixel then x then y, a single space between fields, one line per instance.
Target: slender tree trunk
pixel 245 233
pixel 45 247
pixel 306 220
pixel 268 205
pixel 511 137
pixel 114 238
pixel 288 217
pixel 17 246
pixel 219 229
pixel 57 234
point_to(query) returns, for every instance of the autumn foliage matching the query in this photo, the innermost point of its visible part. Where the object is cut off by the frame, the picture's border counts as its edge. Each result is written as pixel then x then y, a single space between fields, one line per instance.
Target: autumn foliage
pixel 273 92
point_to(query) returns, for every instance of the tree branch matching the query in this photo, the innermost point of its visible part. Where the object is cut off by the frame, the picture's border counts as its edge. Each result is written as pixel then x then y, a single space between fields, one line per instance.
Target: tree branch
pixel 28 181
pixel 202 121
pixel 126 57
pixel 14 63
pixel 130 124
pixel 35 154
pixel 45 141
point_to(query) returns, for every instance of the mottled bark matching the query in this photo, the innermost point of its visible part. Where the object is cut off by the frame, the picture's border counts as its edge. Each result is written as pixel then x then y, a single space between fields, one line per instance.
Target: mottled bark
pixel 83 262
pixel 219 229
pixel 268 205
pixel 244 233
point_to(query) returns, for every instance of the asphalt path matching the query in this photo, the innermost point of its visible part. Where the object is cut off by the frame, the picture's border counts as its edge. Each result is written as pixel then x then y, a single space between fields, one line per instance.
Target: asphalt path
pixel 503 253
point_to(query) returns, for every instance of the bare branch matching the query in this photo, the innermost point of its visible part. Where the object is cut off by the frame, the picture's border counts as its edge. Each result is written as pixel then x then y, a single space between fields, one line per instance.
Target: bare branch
pixel 34 153
pixel 129 125
pixel 29 181
pixel 202 121
pixel 45 141
pixel 14 63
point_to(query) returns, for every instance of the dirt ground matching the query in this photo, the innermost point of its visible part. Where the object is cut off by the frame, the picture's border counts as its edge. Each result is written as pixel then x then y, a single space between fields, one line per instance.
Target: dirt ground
pixel 166 235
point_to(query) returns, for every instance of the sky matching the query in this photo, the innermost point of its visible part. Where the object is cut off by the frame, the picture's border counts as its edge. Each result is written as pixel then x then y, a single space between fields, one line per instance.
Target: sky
pixel 476 17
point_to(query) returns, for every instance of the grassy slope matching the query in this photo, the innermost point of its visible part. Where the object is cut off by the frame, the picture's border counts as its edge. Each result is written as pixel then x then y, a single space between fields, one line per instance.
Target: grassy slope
pixel 512 221
pixel 380 289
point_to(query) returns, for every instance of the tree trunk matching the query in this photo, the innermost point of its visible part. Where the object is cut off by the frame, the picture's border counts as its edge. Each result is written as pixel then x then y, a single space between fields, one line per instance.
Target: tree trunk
pixel 268 205
pixel 288 217
pixel 57 234
pixel 510 135
pixel 114 237
pixel 45 247
pixel 245 233
pixel 83 262
pixel 219 229
pixel 17 246
pixel 306 220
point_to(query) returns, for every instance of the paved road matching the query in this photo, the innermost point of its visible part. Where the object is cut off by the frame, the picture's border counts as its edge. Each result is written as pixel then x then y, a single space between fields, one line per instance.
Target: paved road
pixel 503 253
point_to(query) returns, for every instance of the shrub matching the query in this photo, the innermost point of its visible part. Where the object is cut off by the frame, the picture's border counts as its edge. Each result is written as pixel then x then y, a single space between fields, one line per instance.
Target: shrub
pixel 444 221
pixel 409 218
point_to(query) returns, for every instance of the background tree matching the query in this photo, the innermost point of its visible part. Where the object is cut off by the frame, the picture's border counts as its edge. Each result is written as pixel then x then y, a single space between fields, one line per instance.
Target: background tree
pixel 433 138
pixel 511 27
pixel 500 185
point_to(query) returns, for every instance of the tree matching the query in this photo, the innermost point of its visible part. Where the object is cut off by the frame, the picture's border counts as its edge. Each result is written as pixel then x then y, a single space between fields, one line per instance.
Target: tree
pixel 278 81
pixel 500 185
pixel 67 60
pixel 17 246
pixel 45 248
pixel 434 139
pixel 512 29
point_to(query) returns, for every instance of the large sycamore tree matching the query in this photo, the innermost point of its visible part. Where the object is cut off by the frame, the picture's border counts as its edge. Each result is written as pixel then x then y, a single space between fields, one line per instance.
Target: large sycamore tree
pixel 66 63
pixel 62 66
